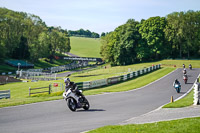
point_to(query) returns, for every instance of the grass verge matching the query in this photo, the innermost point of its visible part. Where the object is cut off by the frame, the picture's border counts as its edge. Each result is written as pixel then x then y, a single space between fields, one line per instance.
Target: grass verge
pixel 187 125
pixel 184 102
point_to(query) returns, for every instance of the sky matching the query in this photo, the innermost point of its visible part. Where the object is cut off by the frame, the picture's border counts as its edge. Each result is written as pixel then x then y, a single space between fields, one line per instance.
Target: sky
pixel 97 15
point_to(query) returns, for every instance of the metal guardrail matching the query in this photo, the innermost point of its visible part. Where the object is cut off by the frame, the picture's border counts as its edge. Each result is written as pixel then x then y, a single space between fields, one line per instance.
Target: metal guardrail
pixel 4 94
pixel 113 80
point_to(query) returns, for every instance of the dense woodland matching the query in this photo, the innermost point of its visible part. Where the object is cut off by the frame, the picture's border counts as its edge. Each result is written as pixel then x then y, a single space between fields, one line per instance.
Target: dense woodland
pixel 26 36
pixel 83 33
pixel 175 36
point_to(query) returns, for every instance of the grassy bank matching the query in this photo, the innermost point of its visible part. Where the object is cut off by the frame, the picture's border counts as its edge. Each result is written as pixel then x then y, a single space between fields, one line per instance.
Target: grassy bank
pixel 186 101
pixel 85 47
pixel 188 125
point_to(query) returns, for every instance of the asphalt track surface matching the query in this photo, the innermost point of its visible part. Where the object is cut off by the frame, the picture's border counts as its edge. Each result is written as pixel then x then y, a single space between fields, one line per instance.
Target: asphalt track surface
pixel 106 109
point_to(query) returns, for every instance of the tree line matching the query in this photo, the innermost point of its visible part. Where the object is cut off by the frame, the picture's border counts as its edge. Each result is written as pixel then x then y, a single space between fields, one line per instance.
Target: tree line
pixel 26 36
pixel 175 36
pixel 83 33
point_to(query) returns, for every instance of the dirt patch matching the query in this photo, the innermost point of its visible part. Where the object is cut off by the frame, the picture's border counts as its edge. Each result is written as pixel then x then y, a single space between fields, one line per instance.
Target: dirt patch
pixel 8 79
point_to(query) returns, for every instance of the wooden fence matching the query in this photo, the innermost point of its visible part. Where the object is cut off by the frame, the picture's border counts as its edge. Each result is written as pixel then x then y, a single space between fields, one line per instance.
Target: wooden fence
pixel 40 90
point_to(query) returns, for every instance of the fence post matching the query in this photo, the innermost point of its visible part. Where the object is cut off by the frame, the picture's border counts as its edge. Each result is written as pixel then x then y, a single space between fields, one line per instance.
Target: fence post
pixel 29 91
pixel 50 89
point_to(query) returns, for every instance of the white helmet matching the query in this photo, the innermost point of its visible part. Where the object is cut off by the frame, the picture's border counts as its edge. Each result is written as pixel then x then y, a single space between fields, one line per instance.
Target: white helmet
pixel 66 80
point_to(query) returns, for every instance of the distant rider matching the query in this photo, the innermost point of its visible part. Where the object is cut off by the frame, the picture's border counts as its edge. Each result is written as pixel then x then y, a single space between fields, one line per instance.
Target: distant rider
pixel 185 76
pixel 190 66
pixel 72 86
pixel 184 71
pixel 183 65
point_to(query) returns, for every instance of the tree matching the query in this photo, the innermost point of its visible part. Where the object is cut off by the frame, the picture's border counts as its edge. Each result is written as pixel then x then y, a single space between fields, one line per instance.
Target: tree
pixel 119 46
pixel 103 34
pixel 152 30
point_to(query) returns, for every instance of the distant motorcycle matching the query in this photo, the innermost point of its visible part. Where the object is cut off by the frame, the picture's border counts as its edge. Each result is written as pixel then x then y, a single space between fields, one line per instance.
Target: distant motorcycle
pixel 190 66
pixel 185 78
pixel 74 101
pixel 177 87
pixel 184 71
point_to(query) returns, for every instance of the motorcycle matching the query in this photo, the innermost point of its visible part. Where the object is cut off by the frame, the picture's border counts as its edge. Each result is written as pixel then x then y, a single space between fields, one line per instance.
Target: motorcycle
pixel 184 71
pixel 185 79
pixel 177 87
pixel 190 66
pixel 74 101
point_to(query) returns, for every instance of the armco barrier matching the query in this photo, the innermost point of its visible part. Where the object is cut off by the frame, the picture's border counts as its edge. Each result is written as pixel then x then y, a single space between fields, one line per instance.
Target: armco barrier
pixel 113 80
pixel 4 94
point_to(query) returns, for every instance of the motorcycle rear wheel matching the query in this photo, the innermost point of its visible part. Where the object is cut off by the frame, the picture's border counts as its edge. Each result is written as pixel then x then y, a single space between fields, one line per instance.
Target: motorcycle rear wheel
pixel 87 105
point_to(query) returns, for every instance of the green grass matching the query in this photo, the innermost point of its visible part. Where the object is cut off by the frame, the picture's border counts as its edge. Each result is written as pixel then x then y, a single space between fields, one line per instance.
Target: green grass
pixel 42 63
pixel 179 63
pixel 85 47
pixel 187 125
pixel 184 102
pixel 102 73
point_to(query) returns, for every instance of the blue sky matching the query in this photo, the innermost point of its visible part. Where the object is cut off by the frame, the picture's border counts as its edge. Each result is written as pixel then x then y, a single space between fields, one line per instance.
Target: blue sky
pixel 97 15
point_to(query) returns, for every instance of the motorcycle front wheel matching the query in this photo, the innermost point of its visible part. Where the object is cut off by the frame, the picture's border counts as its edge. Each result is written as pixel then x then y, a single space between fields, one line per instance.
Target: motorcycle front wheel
pixel 178 90
pixel 72 104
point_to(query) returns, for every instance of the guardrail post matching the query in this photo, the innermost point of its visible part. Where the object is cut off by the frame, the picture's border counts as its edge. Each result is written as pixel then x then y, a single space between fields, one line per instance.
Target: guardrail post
pixel 9 93
pixel 50 89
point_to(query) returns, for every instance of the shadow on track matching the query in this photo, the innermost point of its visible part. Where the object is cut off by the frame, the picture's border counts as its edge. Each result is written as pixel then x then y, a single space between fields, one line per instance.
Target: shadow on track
pixel 91 110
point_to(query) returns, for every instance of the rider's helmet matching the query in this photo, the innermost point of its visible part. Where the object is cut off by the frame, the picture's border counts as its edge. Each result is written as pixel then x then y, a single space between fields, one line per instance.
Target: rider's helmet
pixel 66 80
pixel 176 80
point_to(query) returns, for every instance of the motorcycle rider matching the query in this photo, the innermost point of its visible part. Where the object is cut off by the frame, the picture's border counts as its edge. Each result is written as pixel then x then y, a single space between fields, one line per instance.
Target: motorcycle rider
pixel 184 71
pixel 176 82
pixel 72 86
pixel 183 65
pixel 190 66
pixel 185 78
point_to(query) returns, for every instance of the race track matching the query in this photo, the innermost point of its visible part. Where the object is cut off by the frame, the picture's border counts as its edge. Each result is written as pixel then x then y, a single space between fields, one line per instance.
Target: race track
pixel 106 109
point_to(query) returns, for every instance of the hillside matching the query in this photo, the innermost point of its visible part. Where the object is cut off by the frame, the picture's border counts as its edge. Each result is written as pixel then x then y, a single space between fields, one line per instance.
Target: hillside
pixel 85 47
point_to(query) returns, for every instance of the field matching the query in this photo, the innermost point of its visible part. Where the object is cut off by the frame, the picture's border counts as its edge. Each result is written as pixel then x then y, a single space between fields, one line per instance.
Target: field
pixel 85 47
